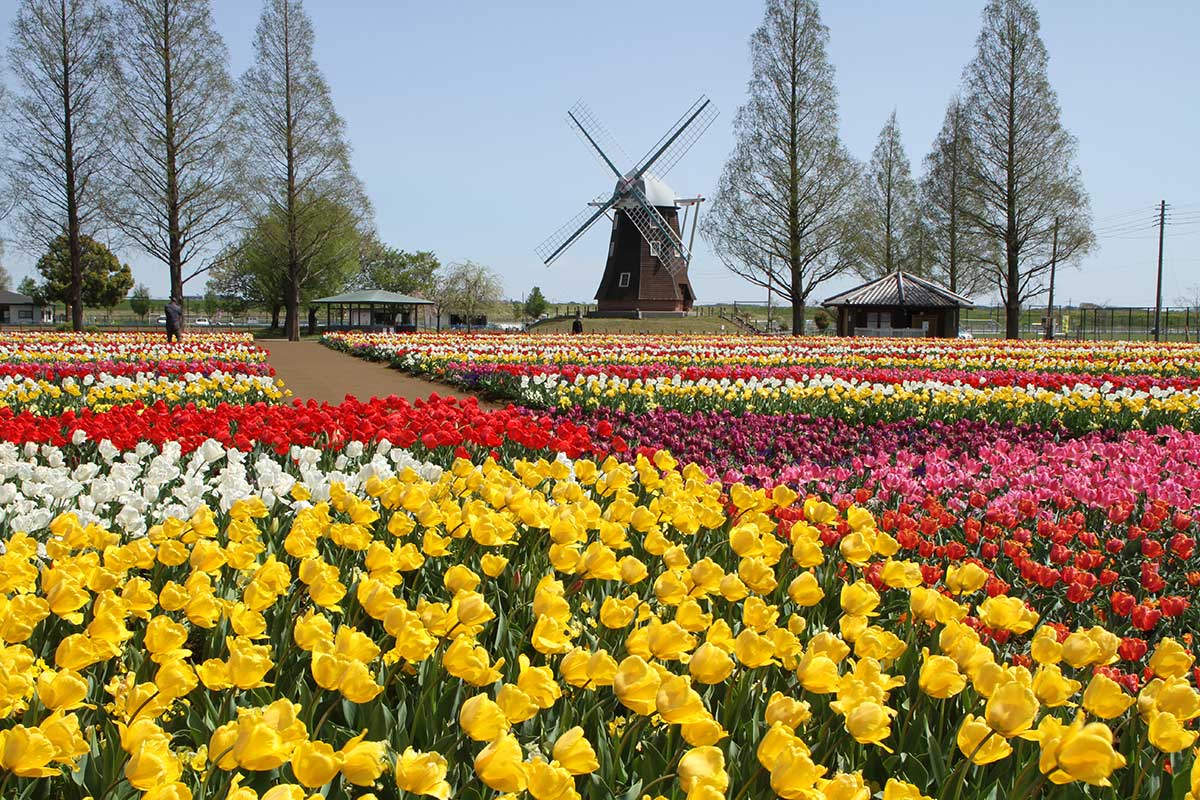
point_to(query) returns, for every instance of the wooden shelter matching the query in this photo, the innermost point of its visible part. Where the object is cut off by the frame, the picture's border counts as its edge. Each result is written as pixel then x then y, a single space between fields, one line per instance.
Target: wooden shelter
pixel 373 310
pixel 898 304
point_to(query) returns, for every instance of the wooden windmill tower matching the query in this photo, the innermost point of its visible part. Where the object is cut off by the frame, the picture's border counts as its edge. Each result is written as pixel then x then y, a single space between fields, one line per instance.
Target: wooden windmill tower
pixel 647 265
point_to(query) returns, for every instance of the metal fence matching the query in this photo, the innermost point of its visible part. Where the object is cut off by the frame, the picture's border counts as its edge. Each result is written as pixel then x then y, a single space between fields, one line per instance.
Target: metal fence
pixel 1089 323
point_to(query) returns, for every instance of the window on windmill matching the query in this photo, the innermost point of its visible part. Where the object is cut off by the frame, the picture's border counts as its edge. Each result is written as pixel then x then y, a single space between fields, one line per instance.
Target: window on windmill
pixel 612 246
pixel 623 281
pixel 654 249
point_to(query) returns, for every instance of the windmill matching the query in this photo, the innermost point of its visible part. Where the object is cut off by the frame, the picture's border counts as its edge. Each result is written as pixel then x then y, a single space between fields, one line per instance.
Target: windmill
pixel 647 263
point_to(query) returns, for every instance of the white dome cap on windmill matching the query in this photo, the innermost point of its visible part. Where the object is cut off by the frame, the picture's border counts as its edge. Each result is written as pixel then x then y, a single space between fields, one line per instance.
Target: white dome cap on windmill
pixel 657 193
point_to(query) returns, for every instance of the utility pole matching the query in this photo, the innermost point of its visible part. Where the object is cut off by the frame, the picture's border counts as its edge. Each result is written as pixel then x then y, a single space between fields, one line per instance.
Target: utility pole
pixel 1162 221
pixel 1053 264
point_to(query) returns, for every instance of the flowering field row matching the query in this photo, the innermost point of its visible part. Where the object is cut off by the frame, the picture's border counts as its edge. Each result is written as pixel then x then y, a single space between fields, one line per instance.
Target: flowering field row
pixel 1080 387
pixel 565 628
pixel 434 352
pixel 49 373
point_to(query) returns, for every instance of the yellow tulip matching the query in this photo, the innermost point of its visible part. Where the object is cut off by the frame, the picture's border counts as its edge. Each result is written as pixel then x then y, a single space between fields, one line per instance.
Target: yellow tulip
pixel 980 743
pixel 702 766
pixel 573 751
pixel 1166 732
pixel 1170 660
pixel 1007 613
pixel 499 765
pixel 899 790
pixel 27 752
pixel 1078 752
pixel 710 664
pixel 805 591
pixel 1052 688
pixel 153 763
pixel 818 674
pixel 793 774
pixel 859 598
pixel 677 702
pixel 786 710
pixel 965 578
pixel 1011 709
pixel 754 650
pixel 61 691
pixel 870 723
pixel 549 781
pixel 636 685
pixel 1045 648
pixel 422 773
pixel 1105 698
pixel 538 683
pixel 492 565
pixel 315 763
pixel 362 761
pixel 516 705
pixel 482 718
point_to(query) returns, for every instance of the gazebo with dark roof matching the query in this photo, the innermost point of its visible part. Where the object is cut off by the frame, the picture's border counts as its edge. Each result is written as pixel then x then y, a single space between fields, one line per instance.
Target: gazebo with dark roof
pixel 898 304
pixel 372 309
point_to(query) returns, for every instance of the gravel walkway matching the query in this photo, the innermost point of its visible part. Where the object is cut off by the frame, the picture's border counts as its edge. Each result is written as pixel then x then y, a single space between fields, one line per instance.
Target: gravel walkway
pixel 313 371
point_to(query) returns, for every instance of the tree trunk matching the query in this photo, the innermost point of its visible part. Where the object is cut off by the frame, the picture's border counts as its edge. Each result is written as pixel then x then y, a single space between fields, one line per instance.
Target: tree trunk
pixel 293 246
pixel 797 318
pixel 275 317
pixel 292 320
pixel 174 237
pixel 312 320
pixel 74 248
pixel 1012 302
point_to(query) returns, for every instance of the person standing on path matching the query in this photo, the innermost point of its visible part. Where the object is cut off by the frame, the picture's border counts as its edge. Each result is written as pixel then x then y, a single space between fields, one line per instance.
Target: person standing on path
pixel 174 315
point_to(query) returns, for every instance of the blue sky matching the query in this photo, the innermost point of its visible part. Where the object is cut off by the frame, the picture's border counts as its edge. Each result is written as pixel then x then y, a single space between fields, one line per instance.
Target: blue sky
pixel 456 115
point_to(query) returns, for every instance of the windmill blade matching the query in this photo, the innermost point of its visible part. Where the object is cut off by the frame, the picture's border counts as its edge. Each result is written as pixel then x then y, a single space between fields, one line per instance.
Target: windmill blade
pixel 588 127
pixel 664 243
pixel 565 236
pixel 679 139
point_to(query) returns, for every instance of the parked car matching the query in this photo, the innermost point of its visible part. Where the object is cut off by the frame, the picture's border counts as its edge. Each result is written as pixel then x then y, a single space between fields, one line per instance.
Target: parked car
pixel 201 322
pixel 161 320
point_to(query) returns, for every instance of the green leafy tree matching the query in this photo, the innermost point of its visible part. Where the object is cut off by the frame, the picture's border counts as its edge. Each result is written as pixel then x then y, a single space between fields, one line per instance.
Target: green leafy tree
pixel 536 303
pixel 472 289
pixel 106 280
pixel 212 303
pixel 139 301
pixel 253 273
pixel 393 270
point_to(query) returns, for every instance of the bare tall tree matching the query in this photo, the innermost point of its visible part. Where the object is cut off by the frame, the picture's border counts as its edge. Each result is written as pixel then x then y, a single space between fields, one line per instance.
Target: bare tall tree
pixel 957 249
pixel 889 206
pixel 779 216
pixel 1021 175
pixel 176 112
pixel 59 133
pixel 299 159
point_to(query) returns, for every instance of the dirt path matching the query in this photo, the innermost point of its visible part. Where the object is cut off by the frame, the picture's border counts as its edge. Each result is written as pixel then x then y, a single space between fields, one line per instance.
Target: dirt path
pixel 311 370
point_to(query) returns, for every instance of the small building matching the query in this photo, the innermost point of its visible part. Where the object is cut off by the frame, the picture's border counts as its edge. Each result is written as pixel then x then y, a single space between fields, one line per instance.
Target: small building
pixel 898 304
pixel 373 310
pixel 20 309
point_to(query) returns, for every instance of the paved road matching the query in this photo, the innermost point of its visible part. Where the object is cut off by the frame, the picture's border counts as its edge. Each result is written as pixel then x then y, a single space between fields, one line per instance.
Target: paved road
pixel 311 370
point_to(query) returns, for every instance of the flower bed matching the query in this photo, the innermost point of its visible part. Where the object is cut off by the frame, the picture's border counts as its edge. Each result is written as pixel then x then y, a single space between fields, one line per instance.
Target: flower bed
pixel 49 373
pixel 1078 386
pixel 398 599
